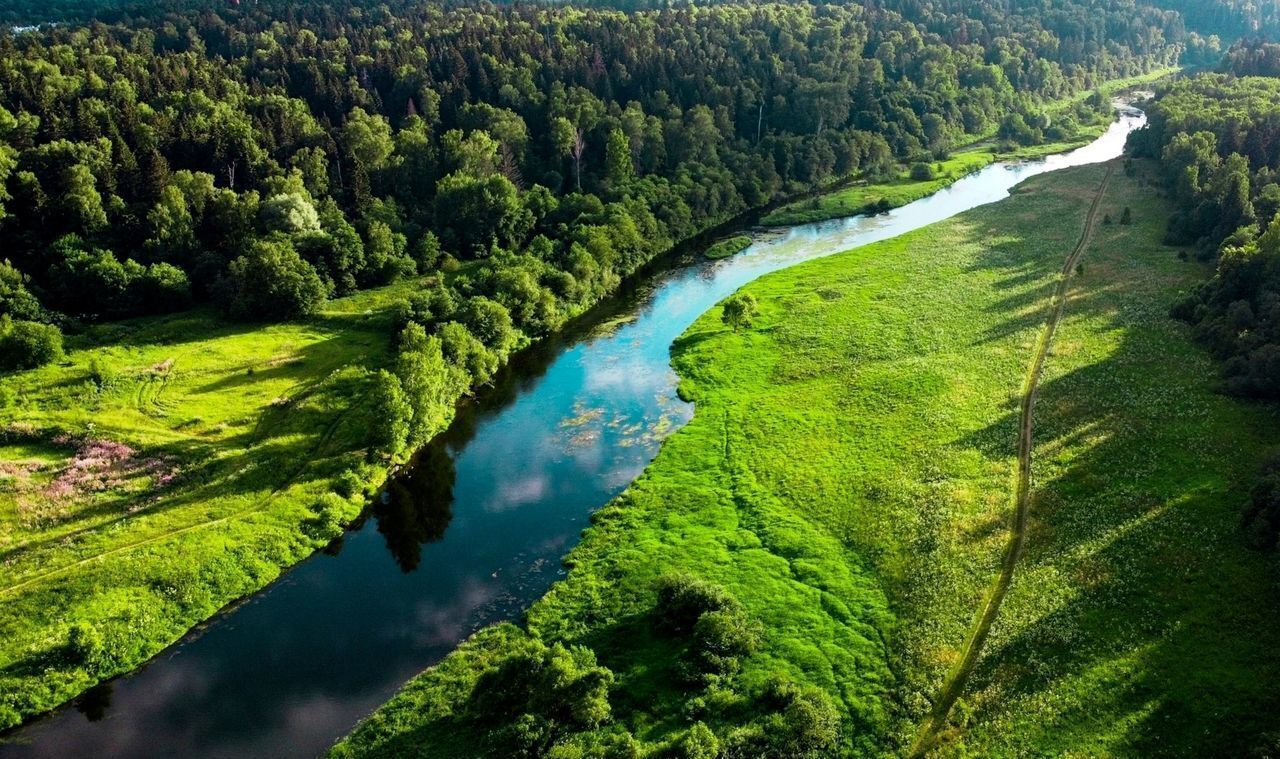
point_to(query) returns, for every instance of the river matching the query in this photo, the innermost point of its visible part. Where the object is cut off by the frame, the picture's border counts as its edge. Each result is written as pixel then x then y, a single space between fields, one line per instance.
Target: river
pixel 473 532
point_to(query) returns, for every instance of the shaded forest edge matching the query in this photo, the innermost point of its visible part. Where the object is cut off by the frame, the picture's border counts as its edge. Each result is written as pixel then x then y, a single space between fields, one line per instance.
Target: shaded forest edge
pixel 1215 138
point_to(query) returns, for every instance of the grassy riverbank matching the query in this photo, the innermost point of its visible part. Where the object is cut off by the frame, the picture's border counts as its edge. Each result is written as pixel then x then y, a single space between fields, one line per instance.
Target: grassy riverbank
pixel 164 469
pixel 874 197
pixel 880 196
pixel 847 480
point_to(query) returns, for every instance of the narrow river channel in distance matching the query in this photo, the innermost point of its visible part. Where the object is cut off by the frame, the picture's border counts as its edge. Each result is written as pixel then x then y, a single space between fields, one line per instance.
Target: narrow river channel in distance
pixel 473 532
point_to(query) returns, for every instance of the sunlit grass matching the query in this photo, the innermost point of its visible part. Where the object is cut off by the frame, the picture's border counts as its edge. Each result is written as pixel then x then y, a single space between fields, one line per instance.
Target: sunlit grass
pixel 165 468
pixel 728 246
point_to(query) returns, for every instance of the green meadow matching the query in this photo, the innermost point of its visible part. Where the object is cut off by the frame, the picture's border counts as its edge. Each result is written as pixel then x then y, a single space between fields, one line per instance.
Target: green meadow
pixel 848 480
pixel 871 197
pixel 165 468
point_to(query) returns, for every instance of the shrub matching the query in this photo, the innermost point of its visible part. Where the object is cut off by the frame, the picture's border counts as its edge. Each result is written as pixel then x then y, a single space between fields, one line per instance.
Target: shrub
pixel 811 726
pixel 527 736
pixel 921 171
pixel 722 637
pixel 461 349
pixel 426 252
pixel 273 282
pixel 26 345
pixel 698 743
pixel 805 722
pixel 476 213
pixel 289 212
pixel 683 599
pixel 90 281
pixel 1014 128
pixel 350 484
pixel 490 322
pixel 330 512
pixel 426 307
pixel 102 373
pixel 85 646
pixel 386 258
pixel 1262 514
pixel 562 685
pixel 739 311
pixel 162 288
pixel 15 299
pixel 391 416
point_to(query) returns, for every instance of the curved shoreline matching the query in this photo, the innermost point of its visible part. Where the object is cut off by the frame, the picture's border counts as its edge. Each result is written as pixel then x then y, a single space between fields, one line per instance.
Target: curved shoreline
pixel 279 602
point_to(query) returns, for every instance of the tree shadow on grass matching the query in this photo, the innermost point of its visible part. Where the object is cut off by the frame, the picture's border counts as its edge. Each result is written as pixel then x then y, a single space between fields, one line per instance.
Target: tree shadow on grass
pixel 207 323
pixel 1138 622
pixel 1136 599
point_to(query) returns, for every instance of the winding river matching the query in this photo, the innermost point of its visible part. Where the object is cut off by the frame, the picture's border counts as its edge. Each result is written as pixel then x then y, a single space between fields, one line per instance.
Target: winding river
pixel 473 532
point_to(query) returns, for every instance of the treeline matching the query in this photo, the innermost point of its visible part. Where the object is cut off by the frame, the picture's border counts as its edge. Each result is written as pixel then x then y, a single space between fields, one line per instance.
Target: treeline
pixel 1228 19
pixel 1255 58
pixel 1218 139
pixel 267 157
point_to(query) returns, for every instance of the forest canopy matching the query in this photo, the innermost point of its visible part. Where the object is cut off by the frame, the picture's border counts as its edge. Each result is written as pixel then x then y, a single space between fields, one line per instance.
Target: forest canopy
pixel 265 158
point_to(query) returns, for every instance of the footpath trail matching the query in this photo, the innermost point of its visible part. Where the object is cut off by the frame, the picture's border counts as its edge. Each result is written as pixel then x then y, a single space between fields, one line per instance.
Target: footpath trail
pixel 931 730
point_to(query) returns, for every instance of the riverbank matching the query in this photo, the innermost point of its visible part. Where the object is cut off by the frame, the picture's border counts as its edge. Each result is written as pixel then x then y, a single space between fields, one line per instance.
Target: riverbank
pixel 863 197
pixel 846 481
pixel 166 468
pixel 875 197
pixel 525 485
pixel 193 461
pixel 170 466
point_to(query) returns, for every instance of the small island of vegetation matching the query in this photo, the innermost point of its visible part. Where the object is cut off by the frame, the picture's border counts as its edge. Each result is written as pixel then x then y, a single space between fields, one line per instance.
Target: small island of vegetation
pixel 728 247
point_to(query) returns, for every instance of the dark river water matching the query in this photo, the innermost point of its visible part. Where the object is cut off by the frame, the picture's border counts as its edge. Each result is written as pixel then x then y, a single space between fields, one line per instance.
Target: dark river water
pixel 472 533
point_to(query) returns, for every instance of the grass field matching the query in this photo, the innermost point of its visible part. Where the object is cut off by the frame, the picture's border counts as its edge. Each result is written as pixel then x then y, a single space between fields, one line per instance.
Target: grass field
pixel 728 246
pixel 1138 625
pixel 165 468
pixel 848 477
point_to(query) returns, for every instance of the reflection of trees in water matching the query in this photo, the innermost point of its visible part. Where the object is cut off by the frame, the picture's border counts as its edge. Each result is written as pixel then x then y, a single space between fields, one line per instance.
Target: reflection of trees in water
pixel 417 505
pixel 95 702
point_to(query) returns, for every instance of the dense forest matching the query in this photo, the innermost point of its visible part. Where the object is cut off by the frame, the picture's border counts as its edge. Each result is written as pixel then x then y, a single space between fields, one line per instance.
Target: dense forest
pixel 265 158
